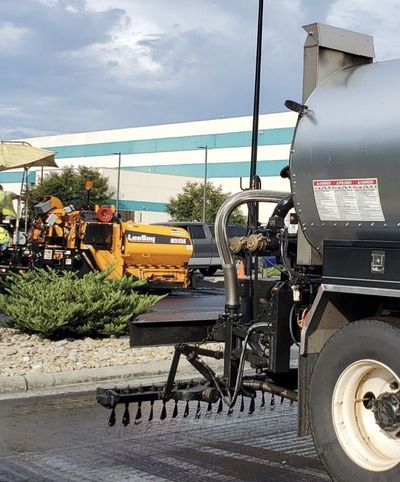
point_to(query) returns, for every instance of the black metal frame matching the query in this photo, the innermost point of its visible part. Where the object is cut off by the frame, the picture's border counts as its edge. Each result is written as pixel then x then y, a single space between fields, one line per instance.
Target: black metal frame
pixel 272 368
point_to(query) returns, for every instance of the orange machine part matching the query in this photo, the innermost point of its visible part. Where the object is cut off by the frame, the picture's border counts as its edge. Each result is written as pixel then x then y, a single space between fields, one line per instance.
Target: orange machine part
pixel 105 214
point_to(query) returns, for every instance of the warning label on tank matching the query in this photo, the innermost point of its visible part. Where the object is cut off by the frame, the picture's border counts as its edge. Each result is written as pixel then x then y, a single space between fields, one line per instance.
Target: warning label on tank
pixel 348 200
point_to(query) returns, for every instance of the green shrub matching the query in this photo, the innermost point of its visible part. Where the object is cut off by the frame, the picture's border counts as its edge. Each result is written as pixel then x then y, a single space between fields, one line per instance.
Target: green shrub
pixel 58 305
pixel 271 272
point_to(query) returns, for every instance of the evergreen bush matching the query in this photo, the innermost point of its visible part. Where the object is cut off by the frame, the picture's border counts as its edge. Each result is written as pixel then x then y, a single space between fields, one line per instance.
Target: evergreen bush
pixel 57 305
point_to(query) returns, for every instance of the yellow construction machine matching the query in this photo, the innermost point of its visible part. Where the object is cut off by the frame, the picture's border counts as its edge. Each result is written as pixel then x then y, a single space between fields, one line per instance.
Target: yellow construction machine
pixel 65 238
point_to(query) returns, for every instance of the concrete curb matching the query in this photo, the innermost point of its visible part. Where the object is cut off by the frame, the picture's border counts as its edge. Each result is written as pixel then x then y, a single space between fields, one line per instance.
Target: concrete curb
pixel 136 372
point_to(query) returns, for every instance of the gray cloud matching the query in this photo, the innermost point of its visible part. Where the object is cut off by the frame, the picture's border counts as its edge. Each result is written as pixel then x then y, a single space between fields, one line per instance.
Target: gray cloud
pixel 42 80
pixel 76 65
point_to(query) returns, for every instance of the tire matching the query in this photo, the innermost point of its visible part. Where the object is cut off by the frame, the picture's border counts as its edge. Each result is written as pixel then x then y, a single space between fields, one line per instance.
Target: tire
pixel 208 271
pixel 360 359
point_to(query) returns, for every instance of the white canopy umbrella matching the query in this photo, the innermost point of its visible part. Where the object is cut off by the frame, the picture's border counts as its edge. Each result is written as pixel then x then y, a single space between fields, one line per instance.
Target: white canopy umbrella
pixel 16 154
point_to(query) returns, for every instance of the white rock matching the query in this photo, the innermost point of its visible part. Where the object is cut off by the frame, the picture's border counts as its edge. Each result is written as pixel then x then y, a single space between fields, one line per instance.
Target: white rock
pixel 10 351
pixel 61 342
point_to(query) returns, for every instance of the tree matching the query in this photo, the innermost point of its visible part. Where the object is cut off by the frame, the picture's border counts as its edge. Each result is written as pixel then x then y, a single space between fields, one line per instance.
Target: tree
pixel 188 205
pixel 69 186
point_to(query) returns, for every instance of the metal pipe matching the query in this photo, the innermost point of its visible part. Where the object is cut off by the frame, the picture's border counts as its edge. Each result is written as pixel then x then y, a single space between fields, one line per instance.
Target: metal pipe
pixel 26 204
pixel 238 383
pixel 89 263
pixel 205 184
pixel 255 385
pixel 19 209
pixel 118 182
pixel 221 237
pixel 254 179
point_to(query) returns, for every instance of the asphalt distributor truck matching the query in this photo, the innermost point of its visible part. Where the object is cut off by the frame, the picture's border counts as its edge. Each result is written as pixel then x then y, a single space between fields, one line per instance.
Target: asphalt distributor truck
pixel 338 296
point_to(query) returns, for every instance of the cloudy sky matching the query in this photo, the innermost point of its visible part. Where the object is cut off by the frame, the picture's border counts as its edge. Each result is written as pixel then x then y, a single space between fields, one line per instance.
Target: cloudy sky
pixel 80 65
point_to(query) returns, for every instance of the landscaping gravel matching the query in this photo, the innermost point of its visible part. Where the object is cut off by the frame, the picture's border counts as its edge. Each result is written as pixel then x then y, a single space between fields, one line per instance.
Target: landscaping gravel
pixel 22 354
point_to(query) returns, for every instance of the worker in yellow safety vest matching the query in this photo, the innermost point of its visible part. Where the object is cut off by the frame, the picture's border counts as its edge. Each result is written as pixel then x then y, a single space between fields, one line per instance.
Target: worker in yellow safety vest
pixel 5 239
pixel 6 204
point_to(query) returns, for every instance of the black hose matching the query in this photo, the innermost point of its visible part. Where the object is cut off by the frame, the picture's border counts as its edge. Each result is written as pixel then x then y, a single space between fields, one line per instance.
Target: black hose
pixel 283 206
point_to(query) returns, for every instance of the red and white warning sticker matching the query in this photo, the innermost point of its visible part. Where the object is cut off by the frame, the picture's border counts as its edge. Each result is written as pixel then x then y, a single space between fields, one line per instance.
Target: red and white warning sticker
pixel 348 199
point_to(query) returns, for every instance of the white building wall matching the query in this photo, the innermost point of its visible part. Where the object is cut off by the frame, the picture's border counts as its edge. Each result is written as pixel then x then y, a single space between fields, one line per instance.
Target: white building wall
pixel 215 126
pixel 158 160
pixel 145 188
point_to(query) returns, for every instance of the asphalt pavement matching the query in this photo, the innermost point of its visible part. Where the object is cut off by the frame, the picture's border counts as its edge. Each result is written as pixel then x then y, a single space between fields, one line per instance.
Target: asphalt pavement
pixel 66 438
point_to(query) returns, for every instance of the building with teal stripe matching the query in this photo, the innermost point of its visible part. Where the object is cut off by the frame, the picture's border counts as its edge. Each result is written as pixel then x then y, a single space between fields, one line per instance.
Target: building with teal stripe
pixel 176 153
pixel 15 177
pixel 278 136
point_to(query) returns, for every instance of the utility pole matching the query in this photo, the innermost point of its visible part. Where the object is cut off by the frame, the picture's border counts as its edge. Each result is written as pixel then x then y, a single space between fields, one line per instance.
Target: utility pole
pixel 205 181
pixel 254 179
pixel 118 183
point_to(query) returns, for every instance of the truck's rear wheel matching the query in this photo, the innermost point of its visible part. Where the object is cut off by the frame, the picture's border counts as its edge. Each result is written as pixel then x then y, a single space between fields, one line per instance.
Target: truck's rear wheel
pixel 355 403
